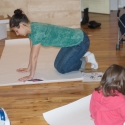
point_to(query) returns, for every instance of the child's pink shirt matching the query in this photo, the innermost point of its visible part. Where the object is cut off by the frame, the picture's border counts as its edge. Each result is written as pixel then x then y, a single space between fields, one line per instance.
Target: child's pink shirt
pixel 107 110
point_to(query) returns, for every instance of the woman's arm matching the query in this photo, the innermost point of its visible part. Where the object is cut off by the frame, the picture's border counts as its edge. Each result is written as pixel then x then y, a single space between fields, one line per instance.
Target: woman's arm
pixel 34 56
pixel 32 62
pixel 29 65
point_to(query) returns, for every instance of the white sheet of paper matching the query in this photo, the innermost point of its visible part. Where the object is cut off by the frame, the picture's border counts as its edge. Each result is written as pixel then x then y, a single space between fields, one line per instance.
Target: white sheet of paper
pixel 16 55
pixel 76 113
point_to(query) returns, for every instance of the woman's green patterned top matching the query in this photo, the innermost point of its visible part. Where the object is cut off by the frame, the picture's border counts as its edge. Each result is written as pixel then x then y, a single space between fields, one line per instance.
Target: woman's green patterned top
pixel 52 35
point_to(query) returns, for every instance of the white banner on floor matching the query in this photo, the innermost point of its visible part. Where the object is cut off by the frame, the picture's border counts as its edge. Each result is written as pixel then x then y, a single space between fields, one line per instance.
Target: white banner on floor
pixel 16 55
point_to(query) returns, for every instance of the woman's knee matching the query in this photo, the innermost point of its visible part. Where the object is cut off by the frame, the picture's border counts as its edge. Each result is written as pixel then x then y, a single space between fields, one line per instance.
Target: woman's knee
pixel 60 69
pixel 55 65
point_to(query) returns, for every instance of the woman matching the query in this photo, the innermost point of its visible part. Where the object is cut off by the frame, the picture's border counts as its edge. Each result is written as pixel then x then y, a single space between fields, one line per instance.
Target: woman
pixel 74 43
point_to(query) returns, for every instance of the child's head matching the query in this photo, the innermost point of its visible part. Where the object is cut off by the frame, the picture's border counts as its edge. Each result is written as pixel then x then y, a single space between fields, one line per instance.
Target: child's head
pixel 19 22
pixel 113 80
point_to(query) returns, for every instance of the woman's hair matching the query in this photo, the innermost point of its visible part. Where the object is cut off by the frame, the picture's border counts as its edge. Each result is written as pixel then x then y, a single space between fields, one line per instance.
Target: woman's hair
pixel 17 18
pixel 113 80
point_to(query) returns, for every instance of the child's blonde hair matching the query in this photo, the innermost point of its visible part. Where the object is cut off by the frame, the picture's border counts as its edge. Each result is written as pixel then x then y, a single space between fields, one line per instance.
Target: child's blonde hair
pixel 113 80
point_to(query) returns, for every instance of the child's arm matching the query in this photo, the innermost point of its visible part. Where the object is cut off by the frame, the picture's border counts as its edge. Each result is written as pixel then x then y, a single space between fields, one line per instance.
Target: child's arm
pixel 121 111
pixel 32 63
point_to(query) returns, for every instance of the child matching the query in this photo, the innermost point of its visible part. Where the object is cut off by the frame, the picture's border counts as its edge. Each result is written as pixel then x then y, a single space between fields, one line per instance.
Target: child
pixel 74 43
pixel 107 105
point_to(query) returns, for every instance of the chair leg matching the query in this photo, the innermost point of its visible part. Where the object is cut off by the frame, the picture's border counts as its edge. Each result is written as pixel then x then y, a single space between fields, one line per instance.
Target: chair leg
pixel 117 46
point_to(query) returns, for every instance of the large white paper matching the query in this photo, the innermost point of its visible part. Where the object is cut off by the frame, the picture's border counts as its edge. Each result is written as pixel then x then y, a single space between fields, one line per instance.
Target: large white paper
pixel 76 113
pixel 16 55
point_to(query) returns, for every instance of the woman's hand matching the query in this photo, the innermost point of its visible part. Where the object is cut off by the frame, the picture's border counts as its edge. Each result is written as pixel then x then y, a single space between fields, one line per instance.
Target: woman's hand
pixel 24 79
pixel 23 70
pixel 32 63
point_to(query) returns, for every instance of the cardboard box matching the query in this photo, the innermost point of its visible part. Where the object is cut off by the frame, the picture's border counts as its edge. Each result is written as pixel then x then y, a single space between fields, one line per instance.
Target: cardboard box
pixel 3 27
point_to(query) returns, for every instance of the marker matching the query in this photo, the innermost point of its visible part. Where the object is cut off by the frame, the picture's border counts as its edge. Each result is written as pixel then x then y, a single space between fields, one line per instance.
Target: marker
pixel 35 80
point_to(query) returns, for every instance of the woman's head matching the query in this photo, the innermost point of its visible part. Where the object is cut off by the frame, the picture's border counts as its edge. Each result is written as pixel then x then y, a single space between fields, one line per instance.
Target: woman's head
pixel 113 80
pixel 19 22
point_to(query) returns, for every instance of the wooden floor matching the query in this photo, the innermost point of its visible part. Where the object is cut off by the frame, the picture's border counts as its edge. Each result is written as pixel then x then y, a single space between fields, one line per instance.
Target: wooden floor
pixel 25 104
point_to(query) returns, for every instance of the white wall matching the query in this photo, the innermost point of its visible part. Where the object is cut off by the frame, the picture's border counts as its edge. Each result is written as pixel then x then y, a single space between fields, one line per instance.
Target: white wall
pixel 96 6
pixel 114 4
pixel 121 3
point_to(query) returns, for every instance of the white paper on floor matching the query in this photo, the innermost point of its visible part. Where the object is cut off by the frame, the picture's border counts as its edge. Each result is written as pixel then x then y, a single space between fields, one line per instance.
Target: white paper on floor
pixel 76 113
pixel 16 55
